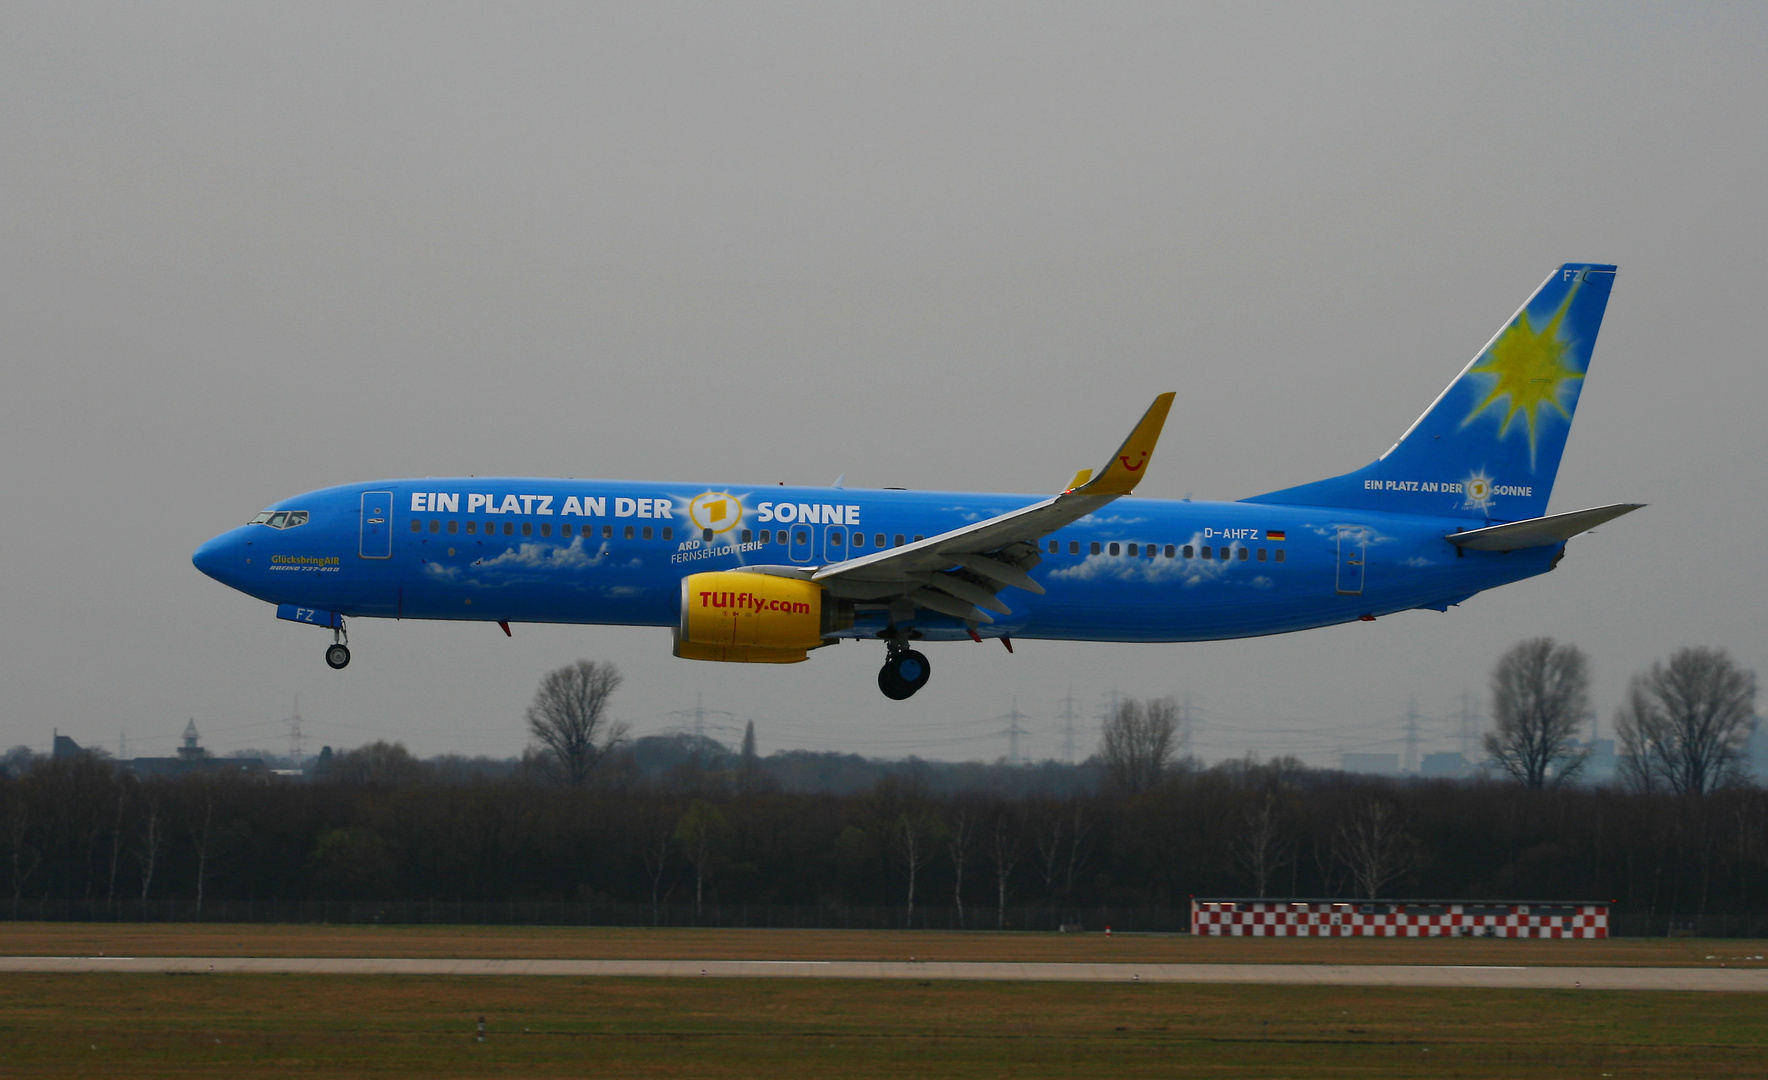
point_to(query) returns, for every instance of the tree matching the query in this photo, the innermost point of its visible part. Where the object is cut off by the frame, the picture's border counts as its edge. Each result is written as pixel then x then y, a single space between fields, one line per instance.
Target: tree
pixel 1139 743
pixel 958 839
pixel 1540 694
pixel 700 831
pixel 1005 851
pixel 1262 845
pixel 748 762
pixel 1372 844
pixel 912 838
pixel 1684 724
pixel 569 718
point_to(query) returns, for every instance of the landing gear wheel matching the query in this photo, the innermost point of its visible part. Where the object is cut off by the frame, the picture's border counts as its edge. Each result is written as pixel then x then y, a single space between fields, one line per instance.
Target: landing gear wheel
pixel 903 673
pixel 338 656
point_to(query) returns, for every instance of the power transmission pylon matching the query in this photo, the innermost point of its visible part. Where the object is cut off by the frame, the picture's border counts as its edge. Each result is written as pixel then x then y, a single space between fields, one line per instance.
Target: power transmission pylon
pixel 296 741
pixel 1465 728
pixel 1014 732
pixel 1412 736
pixel 1068 727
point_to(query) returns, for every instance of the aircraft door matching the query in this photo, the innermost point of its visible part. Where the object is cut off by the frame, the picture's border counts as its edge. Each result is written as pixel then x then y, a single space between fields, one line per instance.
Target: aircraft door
pixel 834 544
pixel 377 525
pixel 801 544
pixel 1353 549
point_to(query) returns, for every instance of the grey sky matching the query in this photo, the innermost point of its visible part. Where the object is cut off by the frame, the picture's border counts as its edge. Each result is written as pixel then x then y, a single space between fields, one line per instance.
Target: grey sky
pixel 251 251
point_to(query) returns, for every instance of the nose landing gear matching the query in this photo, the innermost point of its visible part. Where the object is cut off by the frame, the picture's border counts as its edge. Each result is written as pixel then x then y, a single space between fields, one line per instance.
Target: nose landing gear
pixel 904 672
pixel 337 654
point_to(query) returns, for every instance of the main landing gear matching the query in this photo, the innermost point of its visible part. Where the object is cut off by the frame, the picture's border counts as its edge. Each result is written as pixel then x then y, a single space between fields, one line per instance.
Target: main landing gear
pixel 337 654
pixel 904 671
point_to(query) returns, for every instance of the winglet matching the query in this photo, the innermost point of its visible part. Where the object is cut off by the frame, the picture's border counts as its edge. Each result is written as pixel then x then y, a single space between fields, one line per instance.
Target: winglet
pixel 1080 478
pixel 1125 470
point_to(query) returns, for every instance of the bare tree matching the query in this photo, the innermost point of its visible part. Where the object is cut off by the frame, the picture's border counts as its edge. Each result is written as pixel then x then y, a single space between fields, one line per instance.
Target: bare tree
pixel 701 830
pixel 958 839
pixel 1139 743
pixel 20 836
pixel 199 835
pixel 1540 694
pixel 912 837
pixel 1684 724
pixel 1372 844
pixel 1262 846
pixel 1005 852
pixel 569 718
pixel 151 836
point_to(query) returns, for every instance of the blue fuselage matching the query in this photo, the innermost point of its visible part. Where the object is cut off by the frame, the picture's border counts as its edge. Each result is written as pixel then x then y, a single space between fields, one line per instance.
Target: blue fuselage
pixel 529 550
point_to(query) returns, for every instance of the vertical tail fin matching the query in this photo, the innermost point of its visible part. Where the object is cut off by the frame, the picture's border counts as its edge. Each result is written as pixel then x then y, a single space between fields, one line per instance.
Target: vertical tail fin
pixel 1489 446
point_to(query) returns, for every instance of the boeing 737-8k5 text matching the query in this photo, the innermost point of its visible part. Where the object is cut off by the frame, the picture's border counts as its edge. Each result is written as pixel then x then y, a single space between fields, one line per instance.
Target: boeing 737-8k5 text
pixel 756 574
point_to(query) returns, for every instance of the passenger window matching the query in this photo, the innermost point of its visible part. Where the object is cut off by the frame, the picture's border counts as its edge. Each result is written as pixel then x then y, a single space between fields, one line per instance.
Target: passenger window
pixel 801 537
pixel 276 520
pixel 835 538
pixel 706 536
pixel 1190 552
pixel 453 527
pixel 647 532
pixel 415 525
pixel 1207 553
pixel 1114 548
pixel 859 540
pixel 1055 546
pixel 1261 554
pixel 473 528
pixel 1224 554
pixel 748 535
pixel 1074 547
pixel 1170 551
pixel 1134 550
pixel 435 525
pixel 546 528
pixel 919 538
pixel 766 536
pixel 1094 547
pixel 527 528
pixel 1148 550
pixel 564 528
pixel 628 533
pixel 607 532
pixel 898 540
pixel 878 540
pixel 1245 553
pixel 668 533
pixel 1279 554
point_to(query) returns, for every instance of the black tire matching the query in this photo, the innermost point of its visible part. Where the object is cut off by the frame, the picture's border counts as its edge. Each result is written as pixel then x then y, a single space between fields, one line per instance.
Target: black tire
pixel 894 688
pixel 338 656
pixel 913 669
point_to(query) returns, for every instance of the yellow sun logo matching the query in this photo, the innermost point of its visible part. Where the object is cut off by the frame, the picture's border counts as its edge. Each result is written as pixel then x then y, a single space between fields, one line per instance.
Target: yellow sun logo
pixel 715 510
pixel 1529 369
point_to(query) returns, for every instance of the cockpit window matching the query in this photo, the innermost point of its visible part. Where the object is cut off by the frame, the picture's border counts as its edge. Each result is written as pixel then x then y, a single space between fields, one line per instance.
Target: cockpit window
pixel 281 519
pixel 260 519
pixel 277 521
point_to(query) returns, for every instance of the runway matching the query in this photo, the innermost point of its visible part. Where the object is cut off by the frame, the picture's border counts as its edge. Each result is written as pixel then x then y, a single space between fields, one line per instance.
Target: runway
pixel 1746 980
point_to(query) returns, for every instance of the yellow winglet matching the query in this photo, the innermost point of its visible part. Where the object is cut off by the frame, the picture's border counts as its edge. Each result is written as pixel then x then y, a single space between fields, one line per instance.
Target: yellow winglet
pixel 1125 470
pixel 1080 478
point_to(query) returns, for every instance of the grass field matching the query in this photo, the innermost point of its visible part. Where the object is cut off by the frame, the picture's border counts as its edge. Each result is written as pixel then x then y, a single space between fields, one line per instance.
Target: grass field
pixel 196 939
pixel 114 1025
pixel 242 1026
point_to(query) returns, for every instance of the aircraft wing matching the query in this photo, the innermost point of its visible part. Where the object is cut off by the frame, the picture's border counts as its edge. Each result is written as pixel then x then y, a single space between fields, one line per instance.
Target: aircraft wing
pixel 1539 532
pixel 959 572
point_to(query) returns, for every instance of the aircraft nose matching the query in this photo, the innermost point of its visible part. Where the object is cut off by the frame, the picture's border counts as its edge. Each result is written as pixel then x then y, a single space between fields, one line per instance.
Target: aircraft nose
pixel 221 557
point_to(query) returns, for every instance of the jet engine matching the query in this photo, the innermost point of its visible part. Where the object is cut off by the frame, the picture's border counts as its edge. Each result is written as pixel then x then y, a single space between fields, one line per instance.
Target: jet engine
pixel 749 618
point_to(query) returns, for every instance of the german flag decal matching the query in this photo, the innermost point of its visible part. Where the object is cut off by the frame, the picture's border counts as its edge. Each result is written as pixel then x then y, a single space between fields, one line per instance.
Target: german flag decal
pixel 1275 534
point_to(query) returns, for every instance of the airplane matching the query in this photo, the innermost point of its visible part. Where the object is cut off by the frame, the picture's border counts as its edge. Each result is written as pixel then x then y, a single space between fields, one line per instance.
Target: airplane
pixel 752 573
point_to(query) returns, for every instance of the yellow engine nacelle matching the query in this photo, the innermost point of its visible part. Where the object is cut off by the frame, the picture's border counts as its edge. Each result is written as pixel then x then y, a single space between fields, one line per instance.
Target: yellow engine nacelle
pixel 755 618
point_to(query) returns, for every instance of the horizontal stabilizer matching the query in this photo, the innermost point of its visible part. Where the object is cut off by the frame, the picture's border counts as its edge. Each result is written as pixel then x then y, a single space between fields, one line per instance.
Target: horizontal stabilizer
pixel 1541 531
